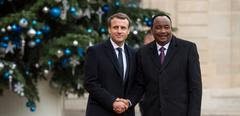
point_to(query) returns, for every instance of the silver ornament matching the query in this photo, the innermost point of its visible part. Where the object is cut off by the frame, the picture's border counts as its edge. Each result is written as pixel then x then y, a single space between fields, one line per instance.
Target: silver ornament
pixel 37 65
pixel 14 66
pixel 46 72
pixel 3 30
pixel 90 43
pixel 45 9
pixel 59 53
pixel 23 22
pixel 9 27
pixel 31 33
pixel 1 65
pixel 138 19
pixel 31 44
pixel 136 46
pixel 11 71
pixel 75 42
pixel 23 42
pixel 22 94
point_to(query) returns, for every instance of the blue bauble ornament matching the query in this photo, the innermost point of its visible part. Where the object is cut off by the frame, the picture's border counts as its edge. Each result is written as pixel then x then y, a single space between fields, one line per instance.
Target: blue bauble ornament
pixel 30 103
pixel 38 40
pixel 55 12
pixel 5 38
pixel 16 28
pixel 67 51
pixel 103 29
pixel 50 62
pixel 2 2
pixel 27 72
pixel 146 19
pixel 45 28
pixel 33 109
pixel 117 3
pixel 23 22
pixel 105 8
pixel 4 45
pixel 34 22
pixel 38 33
pixel 65 62
pixel 149 23
pixel 89 30
pixel 6 74
pixel 17 42
pixel 72 10
pixel 80 51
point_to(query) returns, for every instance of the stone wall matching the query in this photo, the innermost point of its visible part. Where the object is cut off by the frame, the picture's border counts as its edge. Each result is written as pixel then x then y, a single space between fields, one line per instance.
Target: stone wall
pixel 214 26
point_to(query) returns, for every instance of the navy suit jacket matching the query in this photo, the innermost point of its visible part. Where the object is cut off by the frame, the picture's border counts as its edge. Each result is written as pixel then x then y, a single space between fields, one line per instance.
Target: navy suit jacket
pixel 103 80
pixel 173 88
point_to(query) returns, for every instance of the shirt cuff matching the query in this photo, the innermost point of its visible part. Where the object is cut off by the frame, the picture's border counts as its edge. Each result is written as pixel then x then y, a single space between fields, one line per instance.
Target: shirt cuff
pixel 129 103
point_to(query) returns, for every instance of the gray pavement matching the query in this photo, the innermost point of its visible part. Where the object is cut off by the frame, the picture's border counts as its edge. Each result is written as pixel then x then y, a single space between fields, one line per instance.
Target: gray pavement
pixel 215 102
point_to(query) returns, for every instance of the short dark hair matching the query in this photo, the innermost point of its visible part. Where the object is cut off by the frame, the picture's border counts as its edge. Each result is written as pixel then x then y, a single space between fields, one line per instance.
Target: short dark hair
pixel 163 14
pixel 119 16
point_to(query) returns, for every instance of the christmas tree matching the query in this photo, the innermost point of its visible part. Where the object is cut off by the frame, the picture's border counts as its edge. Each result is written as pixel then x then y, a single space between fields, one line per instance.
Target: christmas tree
pixel 47 39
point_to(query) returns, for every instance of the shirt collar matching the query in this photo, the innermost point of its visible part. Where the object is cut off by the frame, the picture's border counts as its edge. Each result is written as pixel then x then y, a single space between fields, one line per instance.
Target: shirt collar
pixel 115 46
pixel 165 46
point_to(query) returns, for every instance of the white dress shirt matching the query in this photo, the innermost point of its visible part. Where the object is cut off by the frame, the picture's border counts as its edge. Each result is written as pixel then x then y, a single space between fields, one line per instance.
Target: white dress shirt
pixel 165 46
pixel 115 46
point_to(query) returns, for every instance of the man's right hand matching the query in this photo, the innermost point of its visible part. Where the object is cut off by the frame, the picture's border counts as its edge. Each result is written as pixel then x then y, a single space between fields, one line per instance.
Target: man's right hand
pixel 120 105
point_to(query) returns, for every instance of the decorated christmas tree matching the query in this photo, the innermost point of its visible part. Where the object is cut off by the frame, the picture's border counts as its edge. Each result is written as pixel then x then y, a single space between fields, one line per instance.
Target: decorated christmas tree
pixel 47 40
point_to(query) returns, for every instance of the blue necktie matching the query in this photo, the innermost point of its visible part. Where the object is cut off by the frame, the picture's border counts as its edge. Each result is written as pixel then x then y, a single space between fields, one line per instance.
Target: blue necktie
pixel 120 61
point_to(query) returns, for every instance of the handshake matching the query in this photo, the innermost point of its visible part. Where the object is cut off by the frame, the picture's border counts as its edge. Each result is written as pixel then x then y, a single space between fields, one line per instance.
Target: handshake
pixel 120 105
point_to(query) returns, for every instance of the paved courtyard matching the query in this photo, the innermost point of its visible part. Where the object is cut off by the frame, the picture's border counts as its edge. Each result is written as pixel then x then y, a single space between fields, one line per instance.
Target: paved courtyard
pixel 215 102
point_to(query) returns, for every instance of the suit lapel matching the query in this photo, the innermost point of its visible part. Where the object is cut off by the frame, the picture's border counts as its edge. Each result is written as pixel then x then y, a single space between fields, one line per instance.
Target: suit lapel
pixel 170 53
pixel 129 58
pixel 111 55
pixel 154 55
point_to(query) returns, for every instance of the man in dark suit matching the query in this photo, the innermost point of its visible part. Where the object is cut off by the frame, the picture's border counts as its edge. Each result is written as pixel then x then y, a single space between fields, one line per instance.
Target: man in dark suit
pixel 109 71
pixel 168 74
